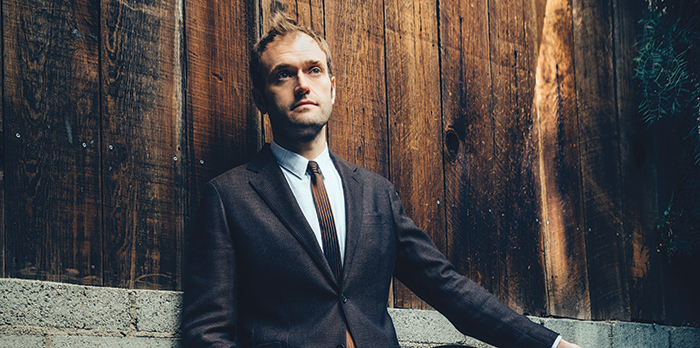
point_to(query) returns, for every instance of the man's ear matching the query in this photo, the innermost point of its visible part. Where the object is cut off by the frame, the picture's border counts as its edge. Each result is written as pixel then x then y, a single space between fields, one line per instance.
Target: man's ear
pixel 260 100
pixel 333 90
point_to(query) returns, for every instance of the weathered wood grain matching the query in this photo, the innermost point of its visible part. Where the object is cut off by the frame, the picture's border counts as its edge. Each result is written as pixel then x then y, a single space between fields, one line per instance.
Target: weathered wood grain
pixel 52 138
pixel 415 123
pixel 305 12
pixel 599 142
pixel 681 278
pixel 560 175
pixel 638 170
pixel 358 127
pixel 224 126
pixel 472 238
pixel 516 211
pixel 143 139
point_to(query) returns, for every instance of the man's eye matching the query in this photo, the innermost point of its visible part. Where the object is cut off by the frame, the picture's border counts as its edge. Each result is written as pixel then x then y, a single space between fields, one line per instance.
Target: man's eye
pixel 315 70
pixel 282 75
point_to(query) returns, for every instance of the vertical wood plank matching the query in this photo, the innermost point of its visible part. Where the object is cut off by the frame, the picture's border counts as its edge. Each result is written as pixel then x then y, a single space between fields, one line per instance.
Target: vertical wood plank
pixel 680 283
pixel 224 127
pixel 599 142
pixel 680 279
pixel 472 243
pixel 143 132
pixel 521 274
pixel 358 127
pixel 415 124
pixel 306 12
pixel 638 168
pixel 52 161
pixel 560 179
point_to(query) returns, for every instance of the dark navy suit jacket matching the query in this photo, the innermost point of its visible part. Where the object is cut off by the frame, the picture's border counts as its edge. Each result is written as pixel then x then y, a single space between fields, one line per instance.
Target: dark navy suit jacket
pixel 256 276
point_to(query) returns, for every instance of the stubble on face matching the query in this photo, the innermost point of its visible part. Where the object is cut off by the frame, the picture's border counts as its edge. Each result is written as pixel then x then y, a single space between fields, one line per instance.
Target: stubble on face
pixel 299 91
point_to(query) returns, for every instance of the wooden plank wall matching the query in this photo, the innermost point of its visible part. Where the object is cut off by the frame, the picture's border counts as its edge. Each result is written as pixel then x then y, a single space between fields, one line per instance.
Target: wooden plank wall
pixel 508 127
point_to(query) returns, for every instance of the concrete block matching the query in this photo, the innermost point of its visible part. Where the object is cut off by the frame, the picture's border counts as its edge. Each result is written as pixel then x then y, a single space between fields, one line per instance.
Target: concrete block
pixel 424 326
pixel 636 335
pixel 113 342
pixel 158 311
pixel 414 345
pixel 57 305
pixel 684 337
pixel 21 341
pixel 583 333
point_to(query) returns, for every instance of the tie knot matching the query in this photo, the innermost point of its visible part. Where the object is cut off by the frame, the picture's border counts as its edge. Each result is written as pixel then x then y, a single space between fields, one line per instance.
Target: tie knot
pixel 313 167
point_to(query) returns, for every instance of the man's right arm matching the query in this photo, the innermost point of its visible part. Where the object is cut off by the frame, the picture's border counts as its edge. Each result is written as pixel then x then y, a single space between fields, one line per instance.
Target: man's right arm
pixel 473 310
pixel 210 307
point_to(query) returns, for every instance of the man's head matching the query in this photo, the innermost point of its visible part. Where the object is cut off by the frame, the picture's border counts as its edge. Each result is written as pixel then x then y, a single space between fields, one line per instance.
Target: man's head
pixel 281 26
pixel 293 83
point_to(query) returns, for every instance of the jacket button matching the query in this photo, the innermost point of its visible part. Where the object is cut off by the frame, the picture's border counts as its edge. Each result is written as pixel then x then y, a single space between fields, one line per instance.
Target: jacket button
pixel 343 298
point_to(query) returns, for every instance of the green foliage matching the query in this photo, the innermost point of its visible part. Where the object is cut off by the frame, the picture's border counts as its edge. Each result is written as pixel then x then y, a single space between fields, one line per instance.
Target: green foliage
pixel 667 72
pixel 668 76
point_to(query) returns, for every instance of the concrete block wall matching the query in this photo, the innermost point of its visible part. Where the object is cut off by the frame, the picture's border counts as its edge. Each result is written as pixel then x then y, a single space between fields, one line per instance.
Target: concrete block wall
pixel 46 314
pixel 49 315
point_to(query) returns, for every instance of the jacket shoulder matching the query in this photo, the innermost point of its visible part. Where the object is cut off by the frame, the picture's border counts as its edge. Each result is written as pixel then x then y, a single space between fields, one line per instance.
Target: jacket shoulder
pixel 362 173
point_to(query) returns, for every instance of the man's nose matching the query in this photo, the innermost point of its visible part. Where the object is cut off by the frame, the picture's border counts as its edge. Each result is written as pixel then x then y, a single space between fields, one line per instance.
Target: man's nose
pixel 302 87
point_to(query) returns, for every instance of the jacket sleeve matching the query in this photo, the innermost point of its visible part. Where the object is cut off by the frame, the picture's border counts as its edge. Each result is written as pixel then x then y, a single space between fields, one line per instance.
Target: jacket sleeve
pixel 472 310
pixel 210 305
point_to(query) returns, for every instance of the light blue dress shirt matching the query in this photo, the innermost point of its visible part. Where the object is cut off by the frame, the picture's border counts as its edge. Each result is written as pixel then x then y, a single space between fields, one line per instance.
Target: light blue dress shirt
pixel 294 168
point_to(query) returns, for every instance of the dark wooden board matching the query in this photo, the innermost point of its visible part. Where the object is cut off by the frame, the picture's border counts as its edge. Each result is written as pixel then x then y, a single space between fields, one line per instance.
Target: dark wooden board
pixel 309 13
pixel 143 138
pixel 472 237
pixel 638 170
pixel 224 126
pixel 51 141
pixel 561 216
pixel 681 277
pixel 516 192
pixel 415 123
pixel 599 144
pixel 358 127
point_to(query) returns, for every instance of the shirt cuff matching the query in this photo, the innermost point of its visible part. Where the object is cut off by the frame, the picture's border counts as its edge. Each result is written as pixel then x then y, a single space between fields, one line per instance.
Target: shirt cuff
pixel 556 342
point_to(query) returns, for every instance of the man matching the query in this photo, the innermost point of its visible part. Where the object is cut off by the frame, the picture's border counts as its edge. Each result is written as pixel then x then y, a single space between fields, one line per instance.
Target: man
pixel 298 247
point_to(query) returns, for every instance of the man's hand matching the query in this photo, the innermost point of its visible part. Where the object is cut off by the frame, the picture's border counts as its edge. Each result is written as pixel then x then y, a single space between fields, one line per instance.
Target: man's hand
pixel 564 344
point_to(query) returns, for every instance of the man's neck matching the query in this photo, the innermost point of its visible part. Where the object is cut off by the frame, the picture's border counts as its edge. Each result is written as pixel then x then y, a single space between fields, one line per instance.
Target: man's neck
pixel 309 150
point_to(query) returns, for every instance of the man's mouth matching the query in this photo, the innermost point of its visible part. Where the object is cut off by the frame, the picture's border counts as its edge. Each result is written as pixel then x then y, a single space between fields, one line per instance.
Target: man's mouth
pixel 303 103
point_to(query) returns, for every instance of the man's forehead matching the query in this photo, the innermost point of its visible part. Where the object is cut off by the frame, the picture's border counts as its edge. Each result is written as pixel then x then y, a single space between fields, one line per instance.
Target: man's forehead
pixel 292 45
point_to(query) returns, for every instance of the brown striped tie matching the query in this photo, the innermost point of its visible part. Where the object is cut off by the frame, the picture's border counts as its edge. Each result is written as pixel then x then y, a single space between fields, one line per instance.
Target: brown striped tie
pixel 329 236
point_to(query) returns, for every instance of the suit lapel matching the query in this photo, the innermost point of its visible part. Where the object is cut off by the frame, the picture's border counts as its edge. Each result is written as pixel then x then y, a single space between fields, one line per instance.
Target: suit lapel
pixel 354 209
pixel 272 186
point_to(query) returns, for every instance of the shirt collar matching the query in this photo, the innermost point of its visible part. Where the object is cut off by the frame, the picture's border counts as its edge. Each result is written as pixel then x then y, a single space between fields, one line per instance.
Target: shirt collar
pixel 295 163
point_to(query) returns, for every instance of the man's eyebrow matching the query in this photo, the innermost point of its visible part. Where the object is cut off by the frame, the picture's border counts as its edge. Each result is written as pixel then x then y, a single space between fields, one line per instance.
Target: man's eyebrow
pixel 285 66
pixel 279 67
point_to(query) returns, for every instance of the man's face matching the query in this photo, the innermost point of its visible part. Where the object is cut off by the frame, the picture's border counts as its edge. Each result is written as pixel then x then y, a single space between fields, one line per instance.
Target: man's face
pixel 298 93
